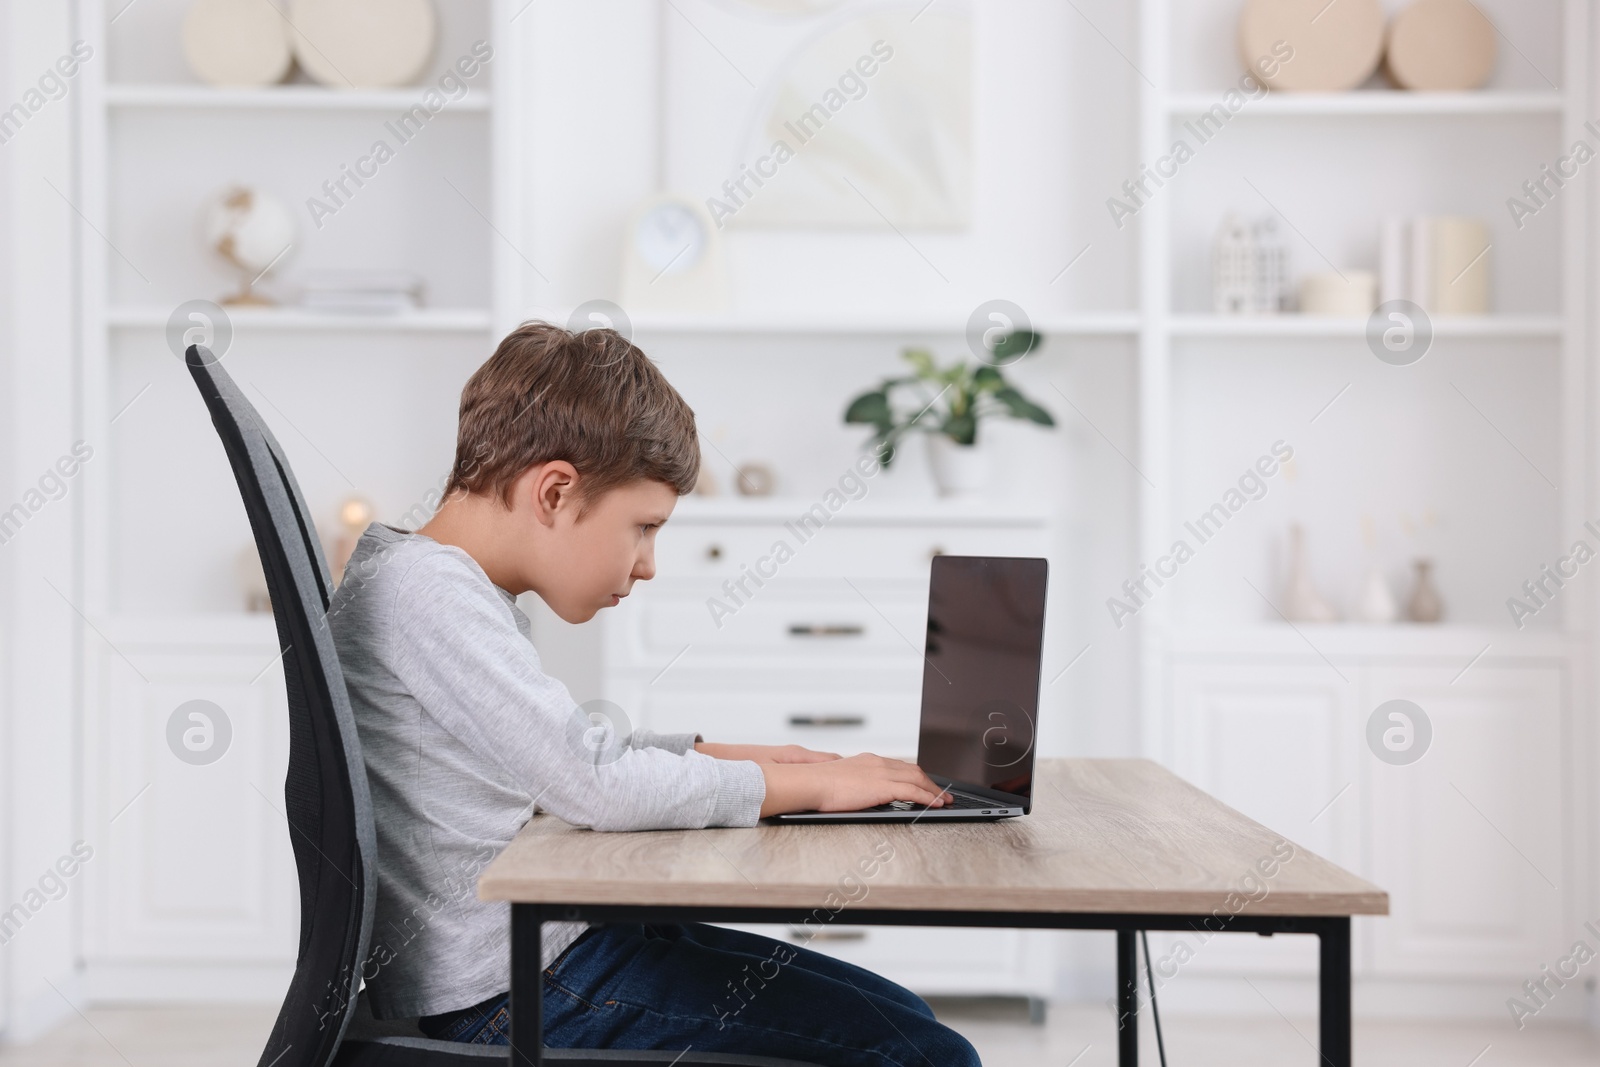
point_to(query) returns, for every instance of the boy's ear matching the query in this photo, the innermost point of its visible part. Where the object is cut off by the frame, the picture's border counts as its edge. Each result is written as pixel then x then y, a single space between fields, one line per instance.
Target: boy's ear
pixel 547 489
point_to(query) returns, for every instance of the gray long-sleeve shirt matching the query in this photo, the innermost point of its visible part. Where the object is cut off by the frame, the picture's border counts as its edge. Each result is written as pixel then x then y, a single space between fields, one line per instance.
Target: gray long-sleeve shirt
pixel 464 736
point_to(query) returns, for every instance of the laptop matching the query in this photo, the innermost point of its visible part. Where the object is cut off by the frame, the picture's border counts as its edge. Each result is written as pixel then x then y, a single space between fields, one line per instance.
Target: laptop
pixel 980 692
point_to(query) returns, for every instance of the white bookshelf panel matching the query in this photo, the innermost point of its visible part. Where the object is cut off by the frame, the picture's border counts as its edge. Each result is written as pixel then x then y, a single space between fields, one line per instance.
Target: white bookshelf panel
pixel 1456 458
pixel 419 212
pixel 356 414
pixel 1203 36
pixel 146 40
pixel 1329 208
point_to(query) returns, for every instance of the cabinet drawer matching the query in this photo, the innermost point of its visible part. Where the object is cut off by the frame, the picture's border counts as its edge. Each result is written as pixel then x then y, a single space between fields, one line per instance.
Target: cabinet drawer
pixel 791 551
pixel 843 722
pixel 826 620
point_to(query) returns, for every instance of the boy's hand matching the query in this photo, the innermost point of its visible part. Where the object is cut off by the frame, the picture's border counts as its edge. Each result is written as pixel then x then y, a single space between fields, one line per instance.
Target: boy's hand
pixel 765 753
pixel 848 784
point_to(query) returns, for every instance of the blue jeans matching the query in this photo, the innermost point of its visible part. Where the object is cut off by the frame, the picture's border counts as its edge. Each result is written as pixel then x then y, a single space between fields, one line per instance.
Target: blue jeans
pixel 677 987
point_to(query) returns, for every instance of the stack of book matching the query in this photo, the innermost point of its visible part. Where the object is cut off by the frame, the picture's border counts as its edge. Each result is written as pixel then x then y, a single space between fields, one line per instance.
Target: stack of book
pixel 1440 263
pixel 361 292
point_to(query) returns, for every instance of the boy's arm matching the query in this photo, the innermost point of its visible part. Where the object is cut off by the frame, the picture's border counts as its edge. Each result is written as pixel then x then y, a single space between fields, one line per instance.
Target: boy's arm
pixel 763 753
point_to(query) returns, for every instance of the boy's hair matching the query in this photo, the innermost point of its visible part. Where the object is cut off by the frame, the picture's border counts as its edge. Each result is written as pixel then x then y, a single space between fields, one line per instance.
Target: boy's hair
pixel 592 398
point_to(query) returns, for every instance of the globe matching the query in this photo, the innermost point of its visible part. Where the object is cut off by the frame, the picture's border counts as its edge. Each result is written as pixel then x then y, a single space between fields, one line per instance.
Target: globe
pixel 252 232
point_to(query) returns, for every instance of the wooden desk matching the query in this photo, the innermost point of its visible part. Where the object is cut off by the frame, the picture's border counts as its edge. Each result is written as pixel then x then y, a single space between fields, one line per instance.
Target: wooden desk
pixel 1122 845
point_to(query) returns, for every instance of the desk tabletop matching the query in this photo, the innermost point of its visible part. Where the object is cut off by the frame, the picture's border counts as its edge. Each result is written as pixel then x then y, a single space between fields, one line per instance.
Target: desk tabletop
pixel 1104 836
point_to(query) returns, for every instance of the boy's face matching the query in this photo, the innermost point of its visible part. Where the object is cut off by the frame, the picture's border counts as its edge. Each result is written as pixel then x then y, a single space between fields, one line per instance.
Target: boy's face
pixel 601 556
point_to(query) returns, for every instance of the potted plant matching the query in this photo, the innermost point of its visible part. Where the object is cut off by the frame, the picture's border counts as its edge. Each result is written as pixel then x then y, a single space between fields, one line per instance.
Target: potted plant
pixel 947 404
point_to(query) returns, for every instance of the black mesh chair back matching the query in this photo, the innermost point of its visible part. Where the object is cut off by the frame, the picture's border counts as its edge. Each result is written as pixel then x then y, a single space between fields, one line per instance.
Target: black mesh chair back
pixel 325 790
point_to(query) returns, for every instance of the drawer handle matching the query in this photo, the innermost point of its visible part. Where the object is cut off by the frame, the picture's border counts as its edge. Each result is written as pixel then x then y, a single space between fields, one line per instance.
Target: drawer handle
pixel 828 935
pixel 826 629
pixel 827 720
pixel 713 551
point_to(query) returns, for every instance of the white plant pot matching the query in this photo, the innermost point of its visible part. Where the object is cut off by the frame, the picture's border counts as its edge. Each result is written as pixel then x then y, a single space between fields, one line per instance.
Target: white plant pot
pixel 958 470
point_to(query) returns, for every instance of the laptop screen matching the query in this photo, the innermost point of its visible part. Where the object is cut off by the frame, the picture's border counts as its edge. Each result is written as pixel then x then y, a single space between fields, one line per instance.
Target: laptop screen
pixel 980 673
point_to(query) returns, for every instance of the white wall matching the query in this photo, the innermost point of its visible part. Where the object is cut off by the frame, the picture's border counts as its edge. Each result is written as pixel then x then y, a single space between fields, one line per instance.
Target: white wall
pixel 39 631
pixel 1054 133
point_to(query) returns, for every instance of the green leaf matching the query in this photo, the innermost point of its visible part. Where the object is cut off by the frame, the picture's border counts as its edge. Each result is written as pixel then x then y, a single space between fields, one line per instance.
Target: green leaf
pixel 921 359
pixel 1013 346
pixel 987 379
pixel 870 407
pixel 1021 407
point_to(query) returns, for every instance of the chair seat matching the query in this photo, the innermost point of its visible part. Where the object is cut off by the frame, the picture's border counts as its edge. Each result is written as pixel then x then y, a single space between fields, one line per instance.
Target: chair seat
pixel 373 1042
pixel 424 1052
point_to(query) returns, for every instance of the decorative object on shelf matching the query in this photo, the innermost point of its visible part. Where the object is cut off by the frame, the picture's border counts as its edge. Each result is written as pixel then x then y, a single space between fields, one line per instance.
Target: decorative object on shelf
pixel 755 479
pixel 950 402
pixel 236 42
pixel 1250 268
pixel 355 515
pixel 1424 605
pixel 1439 263
pixel 252 580
pixel 1377 603
pixel 1460 267
pixel 362 44
pixel 1302 602
pixel 1233 269
pixel 705 484
pixel 672 258
pixel 1353 293
pixel 1441 46
pixel 362 292
pixel 252 232
pixel 1334 46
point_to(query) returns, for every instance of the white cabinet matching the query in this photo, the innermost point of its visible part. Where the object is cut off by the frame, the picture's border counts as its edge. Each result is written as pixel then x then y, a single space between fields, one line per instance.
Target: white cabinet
pixel 1469 839
pixel 1277 742
pixel 823 650
pixel 193 874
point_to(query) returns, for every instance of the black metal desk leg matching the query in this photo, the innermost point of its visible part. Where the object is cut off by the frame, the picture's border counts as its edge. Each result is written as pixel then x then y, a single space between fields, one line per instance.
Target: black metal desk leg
pixel 1335 982
pixel 527 987
pixel 1127 999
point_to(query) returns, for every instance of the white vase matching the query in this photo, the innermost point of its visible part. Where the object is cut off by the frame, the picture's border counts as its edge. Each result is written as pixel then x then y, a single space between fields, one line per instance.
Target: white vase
pixel 1378 604
pixel 958 470
pixel 1303 603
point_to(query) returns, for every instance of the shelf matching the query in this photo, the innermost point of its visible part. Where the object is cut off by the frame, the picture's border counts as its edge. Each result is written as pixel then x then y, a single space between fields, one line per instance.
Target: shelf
pixel 424 320
pixel 282 97
pixel 1448 641
pixel 1313 326
pixel 1070 324
pixel 1375 102
pixel 696 510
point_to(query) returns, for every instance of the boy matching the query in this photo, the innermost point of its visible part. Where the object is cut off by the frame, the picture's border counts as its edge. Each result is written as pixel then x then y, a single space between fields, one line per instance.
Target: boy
pixel 571 452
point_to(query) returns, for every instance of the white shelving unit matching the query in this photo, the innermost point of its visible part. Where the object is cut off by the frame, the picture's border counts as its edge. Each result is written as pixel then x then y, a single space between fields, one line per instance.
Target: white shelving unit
pixel 1110 324
pixel 152 929
pixel 278 97
pixel 1378 102
pixel 1273 717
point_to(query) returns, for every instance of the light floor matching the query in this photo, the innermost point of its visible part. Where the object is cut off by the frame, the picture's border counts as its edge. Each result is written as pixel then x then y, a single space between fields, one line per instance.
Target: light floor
pixel 1076 1035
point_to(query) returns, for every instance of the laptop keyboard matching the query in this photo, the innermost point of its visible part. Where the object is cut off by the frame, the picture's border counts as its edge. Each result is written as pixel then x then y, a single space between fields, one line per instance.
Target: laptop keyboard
pixel 958 801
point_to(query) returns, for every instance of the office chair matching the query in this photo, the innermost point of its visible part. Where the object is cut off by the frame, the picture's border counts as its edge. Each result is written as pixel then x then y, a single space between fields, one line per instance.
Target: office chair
pixel 325 1020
